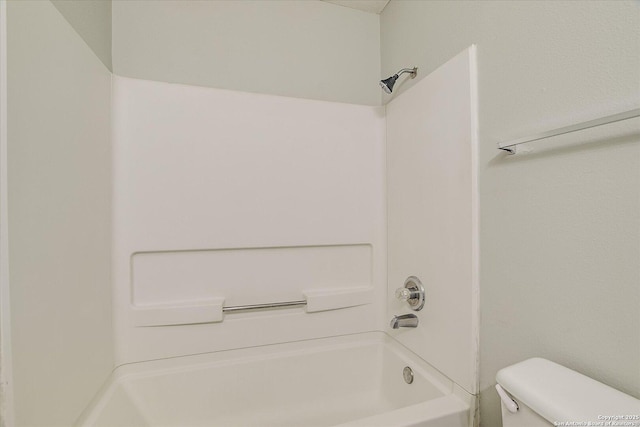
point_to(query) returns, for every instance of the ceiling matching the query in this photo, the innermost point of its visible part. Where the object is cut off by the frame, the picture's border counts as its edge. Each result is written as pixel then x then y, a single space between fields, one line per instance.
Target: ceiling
pixel 371 6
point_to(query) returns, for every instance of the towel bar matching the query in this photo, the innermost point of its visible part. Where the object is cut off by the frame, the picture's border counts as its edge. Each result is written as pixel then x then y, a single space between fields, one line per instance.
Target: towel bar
pixel 510 147
pixel 233 308
pixel 212 310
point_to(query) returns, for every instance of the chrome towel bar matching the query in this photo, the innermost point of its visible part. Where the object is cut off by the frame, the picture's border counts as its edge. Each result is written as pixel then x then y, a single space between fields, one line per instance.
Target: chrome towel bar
pixel 212 310
pixel 510 147
pixel 267 306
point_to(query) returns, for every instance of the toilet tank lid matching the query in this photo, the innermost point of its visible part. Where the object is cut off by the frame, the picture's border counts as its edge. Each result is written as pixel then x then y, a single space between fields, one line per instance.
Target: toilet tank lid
pixel 560 394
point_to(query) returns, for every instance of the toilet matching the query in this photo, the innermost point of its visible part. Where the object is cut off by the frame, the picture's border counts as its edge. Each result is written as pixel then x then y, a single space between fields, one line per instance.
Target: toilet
pixel 541 393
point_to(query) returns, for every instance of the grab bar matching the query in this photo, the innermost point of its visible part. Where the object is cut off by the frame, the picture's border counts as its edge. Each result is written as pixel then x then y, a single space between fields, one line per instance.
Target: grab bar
pixel 266 306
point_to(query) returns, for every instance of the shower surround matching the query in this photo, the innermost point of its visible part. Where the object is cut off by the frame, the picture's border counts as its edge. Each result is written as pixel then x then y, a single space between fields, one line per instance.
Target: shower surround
pixel 245 198
pixel 225 199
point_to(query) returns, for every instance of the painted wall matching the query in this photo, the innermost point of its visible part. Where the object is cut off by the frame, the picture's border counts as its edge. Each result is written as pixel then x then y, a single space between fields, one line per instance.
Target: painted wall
pixel 59 185
pixel 92 20
pixel 302 49
pixel 245 198
pixel 559 232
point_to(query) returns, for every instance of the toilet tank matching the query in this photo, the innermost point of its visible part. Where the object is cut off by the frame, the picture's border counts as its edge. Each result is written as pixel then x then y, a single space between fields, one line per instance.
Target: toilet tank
pixel 548 394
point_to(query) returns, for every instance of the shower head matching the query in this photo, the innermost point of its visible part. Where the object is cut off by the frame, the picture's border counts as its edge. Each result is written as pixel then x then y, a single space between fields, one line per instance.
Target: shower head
pixel 387 84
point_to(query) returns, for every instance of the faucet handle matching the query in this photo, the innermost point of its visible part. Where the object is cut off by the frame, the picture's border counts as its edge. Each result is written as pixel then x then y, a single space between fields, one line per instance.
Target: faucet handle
pixel 403 294
pixel 412 293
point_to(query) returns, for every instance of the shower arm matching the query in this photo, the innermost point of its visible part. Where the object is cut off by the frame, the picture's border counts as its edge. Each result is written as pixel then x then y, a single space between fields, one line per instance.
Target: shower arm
pixel 413 71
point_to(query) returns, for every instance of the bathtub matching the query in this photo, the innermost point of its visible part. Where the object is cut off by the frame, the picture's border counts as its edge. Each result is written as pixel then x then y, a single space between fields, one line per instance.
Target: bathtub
pixel 347 381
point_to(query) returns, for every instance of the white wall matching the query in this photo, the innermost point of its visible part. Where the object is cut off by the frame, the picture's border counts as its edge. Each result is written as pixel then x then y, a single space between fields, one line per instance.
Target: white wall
pixel 59 184
pixel 560 239
pixel 432 216
pixel 6 366
pixel 92 20
pixel 251 198
pixel 304 49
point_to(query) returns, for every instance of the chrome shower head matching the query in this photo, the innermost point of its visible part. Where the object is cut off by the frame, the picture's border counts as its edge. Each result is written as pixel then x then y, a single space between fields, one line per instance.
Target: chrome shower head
pixel 387 84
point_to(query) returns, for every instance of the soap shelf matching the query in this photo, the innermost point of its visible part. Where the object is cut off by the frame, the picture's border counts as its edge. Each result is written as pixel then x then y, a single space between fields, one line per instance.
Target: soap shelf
pixel 213 310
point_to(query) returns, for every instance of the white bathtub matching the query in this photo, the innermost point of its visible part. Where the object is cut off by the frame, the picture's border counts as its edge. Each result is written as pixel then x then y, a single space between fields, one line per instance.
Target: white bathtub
pixel 353 380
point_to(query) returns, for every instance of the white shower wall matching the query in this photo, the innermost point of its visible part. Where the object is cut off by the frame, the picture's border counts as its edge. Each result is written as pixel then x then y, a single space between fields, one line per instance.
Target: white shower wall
pixel 433 214
pixel 246 198
pixel 225 198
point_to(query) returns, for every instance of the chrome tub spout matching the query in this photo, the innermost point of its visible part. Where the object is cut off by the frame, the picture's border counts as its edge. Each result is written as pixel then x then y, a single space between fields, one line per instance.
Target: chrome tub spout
pixel 404 321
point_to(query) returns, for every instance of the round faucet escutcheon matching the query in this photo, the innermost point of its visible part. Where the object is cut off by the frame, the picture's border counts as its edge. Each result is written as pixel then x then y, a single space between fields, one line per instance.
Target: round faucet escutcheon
pixel 412 293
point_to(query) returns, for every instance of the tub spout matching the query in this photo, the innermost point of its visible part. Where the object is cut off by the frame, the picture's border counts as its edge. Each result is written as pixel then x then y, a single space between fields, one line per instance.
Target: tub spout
pixel 404 321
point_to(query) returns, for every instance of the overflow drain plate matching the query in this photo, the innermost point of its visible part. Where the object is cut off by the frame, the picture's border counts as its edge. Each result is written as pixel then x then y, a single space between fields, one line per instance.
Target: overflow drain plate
pixel 407 373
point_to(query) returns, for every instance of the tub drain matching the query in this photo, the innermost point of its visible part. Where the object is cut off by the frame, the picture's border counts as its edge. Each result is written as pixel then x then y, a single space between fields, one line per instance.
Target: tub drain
pixel 407 373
